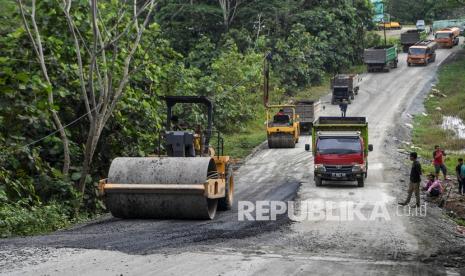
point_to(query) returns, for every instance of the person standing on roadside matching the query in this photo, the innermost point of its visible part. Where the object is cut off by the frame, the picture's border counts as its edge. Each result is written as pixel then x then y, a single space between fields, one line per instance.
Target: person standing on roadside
pixel 438 162
pixel 343 107
pixel 462 176
pixel 415 179
pixel 458 172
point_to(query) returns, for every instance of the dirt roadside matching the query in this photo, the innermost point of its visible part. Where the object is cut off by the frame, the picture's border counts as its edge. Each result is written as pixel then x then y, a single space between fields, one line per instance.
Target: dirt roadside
pixel 441 244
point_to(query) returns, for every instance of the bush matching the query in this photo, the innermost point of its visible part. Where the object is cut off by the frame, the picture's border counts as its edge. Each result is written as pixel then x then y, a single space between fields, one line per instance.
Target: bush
pixel 21 219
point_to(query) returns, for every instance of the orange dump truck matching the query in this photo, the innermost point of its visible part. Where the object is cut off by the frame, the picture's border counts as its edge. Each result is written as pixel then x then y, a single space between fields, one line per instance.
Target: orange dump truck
pixel 448 37
pixel 422 53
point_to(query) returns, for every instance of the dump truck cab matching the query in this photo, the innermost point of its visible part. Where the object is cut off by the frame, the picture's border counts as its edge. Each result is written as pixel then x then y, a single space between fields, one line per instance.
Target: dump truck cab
pixel 448 37
pixel 340 149
pixel 423 53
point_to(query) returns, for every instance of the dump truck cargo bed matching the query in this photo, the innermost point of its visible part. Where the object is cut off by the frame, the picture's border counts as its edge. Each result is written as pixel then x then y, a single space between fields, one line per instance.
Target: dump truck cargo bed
pixel 409 38
pixel 380 58
pixel 307 111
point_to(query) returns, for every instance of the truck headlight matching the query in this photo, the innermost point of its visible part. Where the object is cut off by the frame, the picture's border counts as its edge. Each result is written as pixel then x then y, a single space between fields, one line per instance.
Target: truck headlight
pixel 357 168
pixel 320 168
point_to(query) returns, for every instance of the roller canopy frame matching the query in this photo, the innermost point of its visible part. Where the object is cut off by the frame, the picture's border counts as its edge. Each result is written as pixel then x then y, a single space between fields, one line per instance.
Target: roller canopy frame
pixel 171 101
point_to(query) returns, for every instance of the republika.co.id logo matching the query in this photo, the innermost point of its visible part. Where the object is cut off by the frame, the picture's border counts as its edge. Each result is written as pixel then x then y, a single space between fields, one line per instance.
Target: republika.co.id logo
pixel 319 210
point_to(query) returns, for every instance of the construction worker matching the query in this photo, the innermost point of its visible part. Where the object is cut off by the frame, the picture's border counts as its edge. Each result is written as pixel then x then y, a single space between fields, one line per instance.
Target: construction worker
pixel 438 161
pixel 415 179
pixel 343 107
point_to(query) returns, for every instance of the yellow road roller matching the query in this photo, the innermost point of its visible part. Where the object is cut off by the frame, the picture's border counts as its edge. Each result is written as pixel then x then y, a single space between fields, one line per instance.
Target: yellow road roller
pixel 190 182
pixel 282 123
pixel 282 128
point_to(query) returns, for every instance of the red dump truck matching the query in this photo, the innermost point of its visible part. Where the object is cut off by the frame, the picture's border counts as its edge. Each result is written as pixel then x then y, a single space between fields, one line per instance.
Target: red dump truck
pixel 340 149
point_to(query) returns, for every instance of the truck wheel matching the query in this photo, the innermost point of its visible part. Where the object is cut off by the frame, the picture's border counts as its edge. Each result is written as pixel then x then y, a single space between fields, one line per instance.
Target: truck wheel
pixel 361 182
pixel 318 181
pixel 408 64
pixel 395 63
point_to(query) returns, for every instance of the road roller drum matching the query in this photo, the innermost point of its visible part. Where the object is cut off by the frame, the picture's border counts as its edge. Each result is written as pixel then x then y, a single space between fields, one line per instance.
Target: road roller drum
pixel 163 187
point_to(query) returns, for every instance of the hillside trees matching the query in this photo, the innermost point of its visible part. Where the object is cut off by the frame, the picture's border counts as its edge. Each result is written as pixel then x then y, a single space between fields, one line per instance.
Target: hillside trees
pixel 107 63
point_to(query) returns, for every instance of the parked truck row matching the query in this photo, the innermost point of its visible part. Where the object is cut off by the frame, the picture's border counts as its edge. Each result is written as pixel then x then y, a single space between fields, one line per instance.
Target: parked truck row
pixel 419 51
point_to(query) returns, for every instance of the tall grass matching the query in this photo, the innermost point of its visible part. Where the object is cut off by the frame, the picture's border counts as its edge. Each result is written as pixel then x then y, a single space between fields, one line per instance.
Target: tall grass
pixel 427 129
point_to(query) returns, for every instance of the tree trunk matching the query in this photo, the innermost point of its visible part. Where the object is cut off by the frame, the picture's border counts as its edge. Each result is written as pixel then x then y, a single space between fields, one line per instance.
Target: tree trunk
pixel 64 139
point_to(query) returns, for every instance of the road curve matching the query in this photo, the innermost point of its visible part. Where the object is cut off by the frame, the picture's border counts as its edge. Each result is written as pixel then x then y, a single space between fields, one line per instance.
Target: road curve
pixel 225 245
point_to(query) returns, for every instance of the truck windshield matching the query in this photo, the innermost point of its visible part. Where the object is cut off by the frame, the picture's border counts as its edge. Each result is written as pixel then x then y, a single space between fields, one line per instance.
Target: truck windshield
pixel 339 145
pixel 416 51
pixel 443 35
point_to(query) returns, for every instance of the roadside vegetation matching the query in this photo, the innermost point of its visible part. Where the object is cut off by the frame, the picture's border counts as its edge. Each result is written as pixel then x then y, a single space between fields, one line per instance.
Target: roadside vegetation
pixel 408 11
pixel 445 99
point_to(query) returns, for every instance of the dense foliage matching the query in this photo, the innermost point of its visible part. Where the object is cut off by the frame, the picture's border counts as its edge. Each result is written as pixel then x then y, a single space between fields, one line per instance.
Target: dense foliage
pixel 190 48
pixel 409 11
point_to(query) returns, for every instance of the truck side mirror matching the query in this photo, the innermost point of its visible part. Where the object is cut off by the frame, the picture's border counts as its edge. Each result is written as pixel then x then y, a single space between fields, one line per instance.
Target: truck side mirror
pixel 370 147
pixel 307 147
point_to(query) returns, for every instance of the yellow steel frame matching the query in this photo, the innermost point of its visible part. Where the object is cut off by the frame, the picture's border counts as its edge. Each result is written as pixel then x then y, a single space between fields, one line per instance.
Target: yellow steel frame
pixel 293 128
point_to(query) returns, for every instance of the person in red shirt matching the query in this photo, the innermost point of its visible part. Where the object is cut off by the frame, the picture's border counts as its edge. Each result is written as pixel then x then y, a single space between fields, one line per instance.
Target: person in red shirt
pixel 438 162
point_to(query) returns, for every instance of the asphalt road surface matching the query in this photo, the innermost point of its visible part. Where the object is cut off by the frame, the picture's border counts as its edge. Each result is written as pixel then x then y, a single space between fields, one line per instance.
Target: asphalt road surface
pixel 398 245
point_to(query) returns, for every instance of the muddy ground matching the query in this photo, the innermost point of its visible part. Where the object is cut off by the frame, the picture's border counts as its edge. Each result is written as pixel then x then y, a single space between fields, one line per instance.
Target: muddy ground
pixel 404 244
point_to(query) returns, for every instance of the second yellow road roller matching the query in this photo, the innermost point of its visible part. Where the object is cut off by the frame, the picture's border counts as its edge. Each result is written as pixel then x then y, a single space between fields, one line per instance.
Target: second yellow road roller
pixel 282 123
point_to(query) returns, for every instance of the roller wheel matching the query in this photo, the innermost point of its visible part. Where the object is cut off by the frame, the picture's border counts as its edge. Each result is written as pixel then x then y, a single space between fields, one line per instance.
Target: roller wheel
pixel 226 202
pixel 135 202
pixel 281 140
